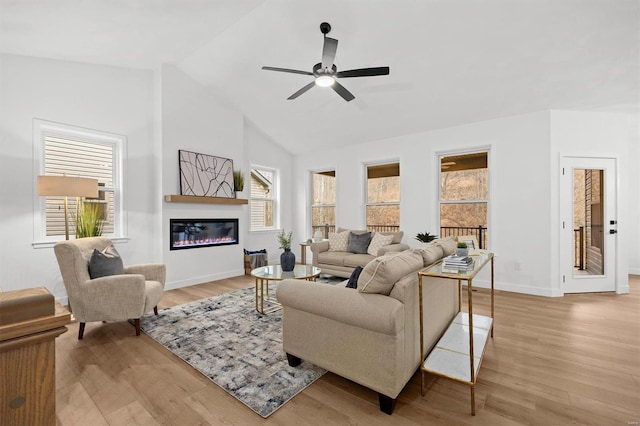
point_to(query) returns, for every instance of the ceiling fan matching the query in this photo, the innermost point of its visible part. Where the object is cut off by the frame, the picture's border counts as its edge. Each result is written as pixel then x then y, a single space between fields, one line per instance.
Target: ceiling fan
pixel 326 73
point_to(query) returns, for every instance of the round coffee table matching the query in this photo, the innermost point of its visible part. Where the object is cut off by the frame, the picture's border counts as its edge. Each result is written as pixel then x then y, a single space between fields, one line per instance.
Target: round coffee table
pixel 264 274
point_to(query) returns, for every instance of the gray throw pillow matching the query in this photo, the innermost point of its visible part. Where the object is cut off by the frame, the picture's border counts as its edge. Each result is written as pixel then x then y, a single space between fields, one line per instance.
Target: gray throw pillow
pixel 106 262
pixel 359 243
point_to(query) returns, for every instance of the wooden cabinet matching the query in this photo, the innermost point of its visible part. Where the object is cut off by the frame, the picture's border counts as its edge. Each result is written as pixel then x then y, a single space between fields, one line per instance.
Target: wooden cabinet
pixel 27 356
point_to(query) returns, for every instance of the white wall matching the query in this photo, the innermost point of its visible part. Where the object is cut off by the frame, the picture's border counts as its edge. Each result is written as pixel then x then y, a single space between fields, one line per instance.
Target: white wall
pixel 261 150
pixel 193 119
pixel 519 185
pixel 104 98
pixel 611 135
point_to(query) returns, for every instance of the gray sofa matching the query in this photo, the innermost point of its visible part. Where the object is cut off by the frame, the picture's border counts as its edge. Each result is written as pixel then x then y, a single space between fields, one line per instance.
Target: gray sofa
pixel 342 263
pixel 370 335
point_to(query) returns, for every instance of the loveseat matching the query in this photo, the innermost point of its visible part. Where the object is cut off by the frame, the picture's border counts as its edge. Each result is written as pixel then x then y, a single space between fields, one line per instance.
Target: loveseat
pixel 333 256
pixel 370 335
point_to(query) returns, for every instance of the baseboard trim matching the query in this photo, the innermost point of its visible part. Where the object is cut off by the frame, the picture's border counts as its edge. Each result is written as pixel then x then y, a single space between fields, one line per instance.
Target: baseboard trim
pixel 172 285
pixel 515 288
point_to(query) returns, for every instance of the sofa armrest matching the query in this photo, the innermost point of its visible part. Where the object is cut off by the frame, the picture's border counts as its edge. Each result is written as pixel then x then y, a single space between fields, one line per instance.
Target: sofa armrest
pixel 151 271
pixel 392 248
pixel 374 312
pixel 317 248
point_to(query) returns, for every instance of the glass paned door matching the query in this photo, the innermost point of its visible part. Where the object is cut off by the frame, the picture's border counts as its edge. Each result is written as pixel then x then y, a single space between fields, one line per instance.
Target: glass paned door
pixel 588 209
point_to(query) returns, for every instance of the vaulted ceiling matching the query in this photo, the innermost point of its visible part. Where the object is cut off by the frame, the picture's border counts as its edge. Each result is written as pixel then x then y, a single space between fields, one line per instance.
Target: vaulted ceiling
pixel 452 61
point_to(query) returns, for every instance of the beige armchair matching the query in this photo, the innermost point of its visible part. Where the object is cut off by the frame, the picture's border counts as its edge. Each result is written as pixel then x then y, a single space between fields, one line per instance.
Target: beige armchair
pixel 111 298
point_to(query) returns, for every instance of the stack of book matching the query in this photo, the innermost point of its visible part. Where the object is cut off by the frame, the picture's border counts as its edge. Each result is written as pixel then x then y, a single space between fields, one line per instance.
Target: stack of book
pixel 456 264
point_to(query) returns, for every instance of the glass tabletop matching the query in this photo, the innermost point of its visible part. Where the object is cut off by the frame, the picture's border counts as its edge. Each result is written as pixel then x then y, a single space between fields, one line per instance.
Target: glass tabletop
pixel 275 272
pixel 479 261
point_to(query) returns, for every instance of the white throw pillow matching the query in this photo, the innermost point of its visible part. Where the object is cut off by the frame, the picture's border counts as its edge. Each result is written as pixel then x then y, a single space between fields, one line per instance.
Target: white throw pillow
pixel 338 241
pixel 377 242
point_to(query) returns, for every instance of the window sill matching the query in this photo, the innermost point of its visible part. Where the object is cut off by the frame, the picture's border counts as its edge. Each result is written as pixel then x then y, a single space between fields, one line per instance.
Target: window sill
pixel 51 243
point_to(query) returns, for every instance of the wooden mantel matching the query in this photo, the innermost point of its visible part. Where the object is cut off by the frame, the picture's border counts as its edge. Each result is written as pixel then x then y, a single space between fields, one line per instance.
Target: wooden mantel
pixel 204 200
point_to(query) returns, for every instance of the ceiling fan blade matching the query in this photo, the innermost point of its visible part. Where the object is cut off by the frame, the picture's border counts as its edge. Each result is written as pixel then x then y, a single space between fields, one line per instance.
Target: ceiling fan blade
pixel 342 91
pixel 287 70
pixel 363 72
pixel 301 91
pixel 329 52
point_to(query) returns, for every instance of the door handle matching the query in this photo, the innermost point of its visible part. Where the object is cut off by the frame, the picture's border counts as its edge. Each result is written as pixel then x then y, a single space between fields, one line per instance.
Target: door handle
pixel 613 231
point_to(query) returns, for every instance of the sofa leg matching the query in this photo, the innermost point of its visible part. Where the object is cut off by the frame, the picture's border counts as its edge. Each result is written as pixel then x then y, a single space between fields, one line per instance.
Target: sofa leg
pixel 293 360
pixel 155 310
pixel 386 404
pixel 81 331
pixel 137 324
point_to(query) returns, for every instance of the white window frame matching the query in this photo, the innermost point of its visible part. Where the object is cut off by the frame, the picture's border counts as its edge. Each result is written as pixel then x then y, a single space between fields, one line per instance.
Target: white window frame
pixel 439 155
pixel 311 205
pixel 274 198
pixel 43 129
pixel 366 188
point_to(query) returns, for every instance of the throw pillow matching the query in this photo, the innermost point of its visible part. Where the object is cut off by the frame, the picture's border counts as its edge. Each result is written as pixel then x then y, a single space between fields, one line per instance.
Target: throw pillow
pixel 338 241
pixel 353 279
pixel 382 273
pixel 430 254
pixel 105 262
pixel 359 243
pixel 377 242
pixel 448 245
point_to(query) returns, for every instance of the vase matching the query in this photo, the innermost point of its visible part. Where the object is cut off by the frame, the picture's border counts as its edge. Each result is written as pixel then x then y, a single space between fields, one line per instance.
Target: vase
pixel 462 252
pixel 287 260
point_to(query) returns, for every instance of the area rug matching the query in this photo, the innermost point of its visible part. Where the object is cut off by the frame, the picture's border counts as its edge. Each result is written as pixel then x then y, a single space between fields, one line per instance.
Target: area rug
pixel 239 349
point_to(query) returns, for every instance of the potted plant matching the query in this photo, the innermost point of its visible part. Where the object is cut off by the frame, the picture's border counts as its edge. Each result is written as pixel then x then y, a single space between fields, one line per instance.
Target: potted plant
pixel 425 237
pixel 89 219
pixel 287 258
pixel 462 249
pixel 238 181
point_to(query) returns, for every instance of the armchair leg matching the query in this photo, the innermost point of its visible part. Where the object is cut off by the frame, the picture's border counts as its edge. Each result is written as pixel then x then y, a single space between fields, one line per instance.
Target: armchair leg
pixel 81 331
pixel 386 404
pixel 155 310
pixel 293 360
pixel 137 324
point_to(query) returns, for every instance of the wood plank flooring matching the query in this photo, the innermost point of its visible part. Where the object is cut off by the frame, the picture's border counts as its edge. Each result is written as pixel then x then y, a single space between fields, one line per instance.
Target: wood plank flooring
pixel 552 361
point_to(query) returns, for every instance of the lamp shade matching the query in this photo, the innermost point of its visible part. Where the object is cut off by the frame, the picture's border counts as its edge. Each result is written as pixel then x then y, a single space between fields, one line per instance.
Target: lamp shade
pixel 67 186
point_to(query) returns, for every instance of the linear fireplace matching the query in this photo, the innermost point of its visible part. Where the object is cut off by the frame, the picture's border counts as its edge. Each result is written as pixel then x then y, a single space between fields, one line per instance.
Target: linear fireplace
pixel 196 233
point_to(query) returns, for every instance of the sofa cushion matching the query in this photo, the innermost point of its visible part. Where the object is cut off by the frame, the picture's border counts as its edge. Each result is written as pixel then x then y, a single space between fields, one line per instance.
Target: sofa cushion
pixel 359 243
pixel 430 253
pixel 448 245
pixel 333 257
pixel 106 262
pixel 377 242
pixel 381 274
pixel 353 260
pixel 397 236
pixel 338 241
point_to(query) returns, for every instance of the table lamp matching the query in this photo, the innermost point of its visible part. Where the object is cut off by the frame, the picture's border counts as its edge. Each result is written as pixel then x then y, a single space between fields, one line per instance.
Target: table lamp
pixel 67 186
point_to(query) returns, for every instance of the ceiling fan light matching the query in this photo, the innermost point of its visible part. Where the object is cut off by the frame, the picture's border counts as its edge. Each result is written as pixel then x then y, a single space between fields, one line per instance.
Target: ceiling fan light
pixel 325 81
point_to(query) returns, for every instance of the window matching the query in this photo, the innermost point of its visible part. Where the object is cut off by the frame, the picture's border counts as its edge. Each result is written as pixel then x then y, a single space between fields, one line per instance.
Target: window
pixel 464 196
pixel 263 199
pixel 68 150
pixel 383 197
pixel 323 204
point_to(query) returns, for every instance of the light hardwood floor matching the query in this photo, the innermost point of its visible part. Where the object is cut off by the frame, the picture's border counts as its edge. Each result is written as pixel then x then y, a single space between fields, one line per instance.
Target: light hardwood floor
pixel 552 361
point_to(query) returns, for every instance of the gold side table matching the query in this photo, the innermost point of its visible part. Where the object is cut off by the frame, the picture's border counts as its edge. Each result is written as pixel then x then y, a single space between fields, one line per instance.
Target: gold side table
pixel 459 352
pixel 264 274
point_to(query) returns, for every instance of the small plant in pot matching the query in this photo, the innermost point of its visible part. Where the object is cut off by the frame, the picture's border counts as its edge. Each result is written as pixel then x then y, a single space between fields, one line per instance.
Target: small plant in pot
pixel 462 249
pixel 287 258
pixel 425 237
pixel 238 181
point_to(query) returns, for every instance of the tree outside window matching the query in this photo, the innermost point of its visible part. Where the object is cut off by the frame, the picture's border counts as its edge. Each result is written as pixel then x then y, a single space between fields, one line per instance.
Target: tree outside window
pixel 383 197
pixel 464 195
